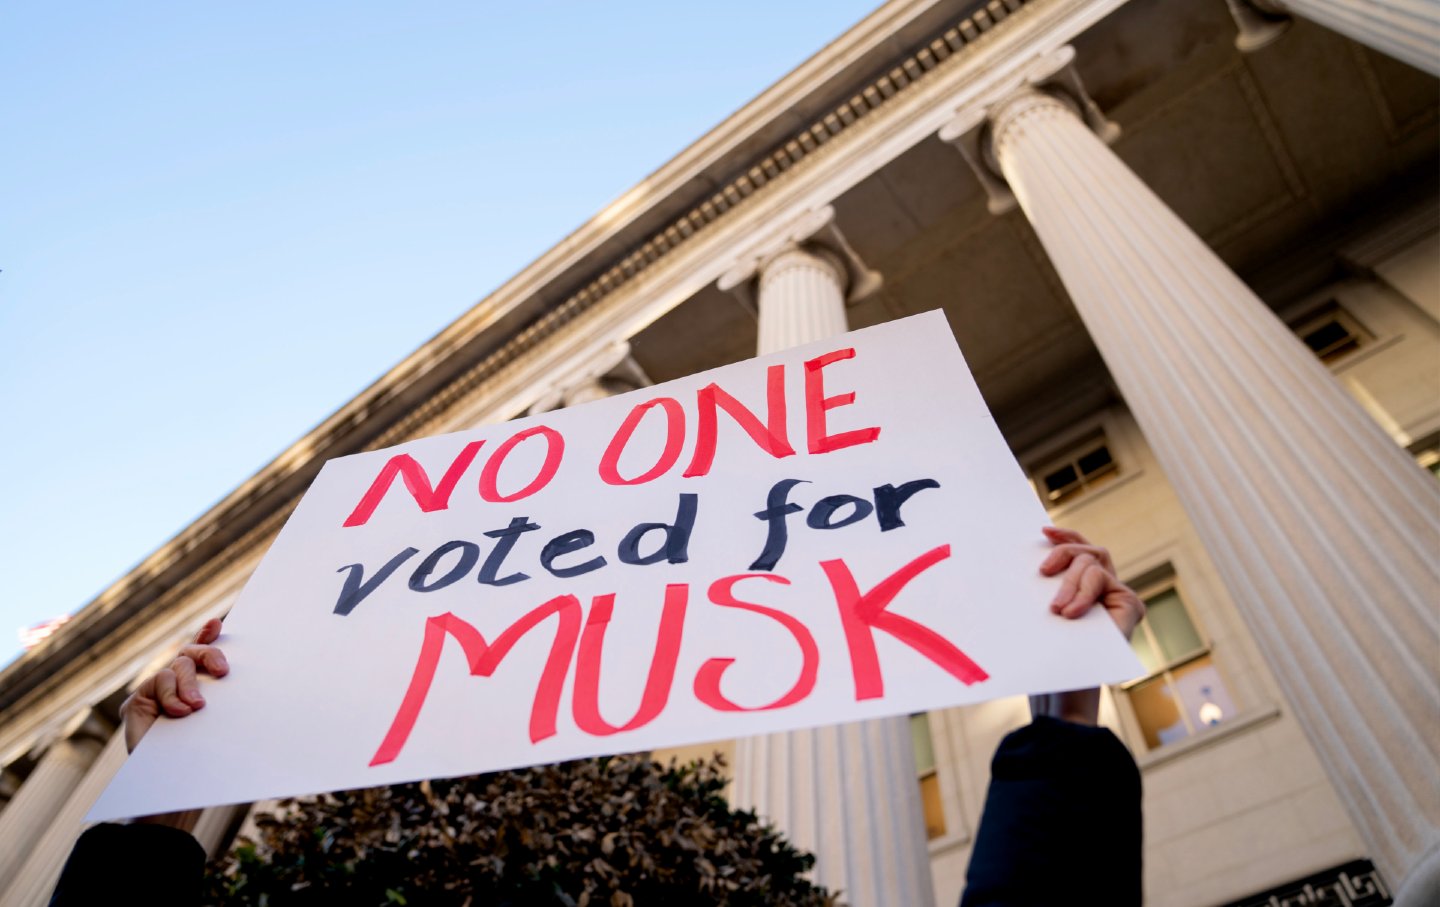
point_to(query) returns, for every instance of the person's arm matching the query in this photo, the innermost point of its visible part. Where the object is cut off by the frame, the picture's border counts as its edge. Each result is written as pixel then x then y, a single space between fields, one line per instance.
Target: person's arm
pixel 1062 821
pixel 132 864
pixel 1087 578
pixel 153 860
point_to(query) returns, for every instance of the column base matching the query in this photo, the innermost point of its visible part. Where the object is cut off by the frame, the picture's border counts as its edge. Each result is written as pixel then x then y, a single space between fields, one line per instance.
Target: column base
pixel 1422 887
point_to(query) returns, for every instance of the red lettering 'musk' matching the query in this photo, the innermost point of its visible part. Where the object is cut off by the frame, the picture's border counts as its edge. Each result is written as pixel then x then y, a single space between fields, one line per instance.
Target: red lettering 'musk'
pixel 417 482
pixel 707 679
pixel 586 704
pixel 483 658
pixel 862 614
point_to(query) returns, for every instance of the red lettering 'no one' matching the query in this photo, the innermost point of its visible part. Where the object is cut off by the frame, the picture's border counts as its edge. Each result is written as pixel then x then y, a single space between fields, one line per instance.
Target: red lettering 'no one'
pixel 417 482
pixel 554 450
pixel 771 436
pixel 674 441
pixel 817 434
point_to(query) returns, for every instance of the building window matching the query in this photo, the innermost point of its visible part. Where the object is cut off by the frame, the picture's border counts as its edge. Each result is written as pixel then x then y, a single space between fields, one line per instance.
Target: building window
pixel 929 779
pixel 1430 460
pixel 1182 692
pixel 1081 468
pixel 1331 333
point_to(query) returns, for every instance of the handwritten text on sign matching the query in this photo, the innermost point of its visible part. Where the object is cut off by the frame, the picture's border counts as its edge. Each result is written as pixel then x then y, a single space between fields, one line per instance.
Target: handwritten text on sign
pixel 826 534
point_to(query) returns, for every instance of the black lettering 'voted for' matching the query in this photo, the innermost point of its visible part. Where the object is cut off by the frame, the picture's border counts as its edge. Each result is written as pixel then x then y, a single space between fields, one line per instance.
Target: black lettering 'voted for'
pixel 568 543
pixel 834 511
pixel 560 556
pixel 469 557
pixel 357 587
pixel 675 548
pixel 505 540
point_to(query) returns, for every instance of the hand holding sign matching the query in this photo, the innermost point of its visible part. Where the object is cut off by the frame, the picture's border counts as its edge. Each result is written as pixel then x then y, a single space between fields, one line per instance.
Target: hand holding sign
pixel 174 690
pixel 1087 576
pixel 1089 579
pixel 827 534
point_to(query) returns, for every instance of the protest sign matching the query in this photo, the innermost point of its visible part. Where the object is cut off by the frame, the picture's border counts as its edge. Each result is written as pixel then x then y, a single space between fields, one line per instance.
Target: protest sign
pixel 831 533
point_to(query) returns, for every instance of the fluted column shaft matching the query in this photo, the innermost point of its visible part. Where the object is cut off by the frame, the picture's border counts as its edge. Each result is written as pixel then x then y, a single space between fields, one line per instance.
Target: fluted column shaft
pixel 35 880
pixel 848 794
pixel 1323 530
pixel 801 298
pixel 42 795
pixel 1408 30
pixel 213 825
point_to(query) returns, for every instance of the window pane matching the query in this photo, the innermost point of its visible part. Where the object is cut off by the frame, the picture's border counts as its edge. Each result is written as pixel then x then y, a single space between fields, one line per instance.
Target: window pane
pixel 934 810
pixel 1140 642
pixel 1061 479
pixel 1158 711
pixel 1096 460
pixel 1174 632
pixel 1327 337
pixel 1203 693
pixel 924 747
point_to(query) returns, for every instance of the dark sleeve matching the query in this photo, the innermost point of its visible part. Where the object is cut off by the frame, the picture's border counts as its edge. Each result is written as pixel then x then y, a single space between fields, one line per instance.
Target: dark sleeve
pixel 132 864
pixel 1062 821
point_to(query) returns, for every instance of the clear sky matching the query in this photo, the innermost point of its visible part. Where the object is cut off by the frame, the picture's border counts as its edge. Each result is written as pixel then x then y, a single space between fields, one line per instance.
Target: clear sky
pixel 219 222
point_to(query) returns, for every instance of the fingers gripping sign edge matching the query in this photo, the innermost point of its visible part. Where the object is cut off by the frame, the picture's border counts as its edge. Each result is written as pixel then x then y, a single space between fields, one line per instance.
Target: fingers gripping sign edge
pixel 1088 578
pixel 174 690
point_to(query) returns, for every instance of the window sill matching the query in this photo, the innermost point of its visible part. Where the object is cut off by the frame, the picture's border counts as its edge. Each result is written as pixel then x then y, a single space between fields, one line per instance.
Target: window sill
pixel 948 842
pixel 1057 512
pixel 1364 353
pixel 1241 723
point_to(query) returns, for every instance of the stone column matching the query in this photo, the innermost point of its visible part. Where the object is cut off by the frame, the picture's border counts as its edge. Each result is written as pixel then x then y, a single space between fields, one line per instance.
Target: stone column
pixel 10 782
pixel 1324 531
pixel 213 825
pixel 1408 30
pixel 848 794
pixel 35 880
pixel 45 791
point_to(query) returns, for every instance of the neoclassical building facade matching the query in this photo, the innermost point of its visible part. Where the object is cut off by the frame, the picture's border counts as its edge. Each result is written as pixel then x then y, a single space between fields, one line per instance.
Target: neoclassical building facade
pixel 1191 250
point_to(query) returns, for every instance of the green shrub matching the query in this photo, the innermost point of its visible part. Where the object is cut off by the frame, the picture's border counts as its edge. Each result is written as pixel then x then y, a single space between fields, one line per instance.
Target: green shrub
pixel 617 831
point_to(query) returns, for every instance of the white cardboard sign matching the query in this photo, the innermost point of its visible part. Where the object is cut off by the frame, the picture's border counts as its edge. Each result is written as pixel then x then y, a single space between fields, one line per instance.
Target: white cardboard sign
pixel 831 533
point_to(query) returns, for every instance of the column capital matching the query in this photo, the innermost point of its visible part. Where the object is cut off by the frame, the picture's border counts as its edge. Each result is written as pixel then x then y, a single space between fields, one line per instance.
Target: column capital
pixel 1258 24
pixel 610 371
pixel 1049 80
pixel 88 724
pixel 10 782
pixel 813 232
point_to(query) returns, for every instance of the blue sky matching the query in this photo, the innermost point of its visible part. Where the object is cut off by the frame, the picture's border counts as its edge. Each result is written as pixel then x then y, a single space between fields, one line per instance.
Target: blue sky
pixel 220 222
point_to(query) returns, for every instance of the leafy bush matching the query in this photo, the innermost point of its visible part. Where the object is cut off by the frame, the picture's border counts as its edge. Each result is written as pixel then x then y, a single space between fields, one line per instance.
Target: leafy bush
pixel 619 831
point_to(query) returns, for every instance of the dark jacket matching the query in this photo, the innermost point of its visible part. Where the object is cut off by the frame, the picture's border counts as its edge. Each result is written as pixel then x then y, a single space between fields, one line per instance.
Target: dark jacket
pixel 132 864
pixel 1062 821
pixel 1061 826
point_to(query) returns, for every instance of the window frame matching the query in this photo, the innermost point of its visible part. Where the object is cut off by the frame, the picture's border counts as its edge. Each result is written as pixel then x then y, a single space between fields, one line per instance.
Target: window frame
pixel 1074 441
pixel 933 772
pixel 1426 452
pixel 1149 586
pixel 1358 339
pixel 1084 481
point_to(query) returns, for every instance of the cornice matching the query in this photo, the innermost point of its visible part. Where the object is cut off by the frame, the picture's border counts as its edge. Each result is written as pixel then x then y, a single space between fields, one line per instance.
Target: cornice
pixel 869 97
pixel 520 316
